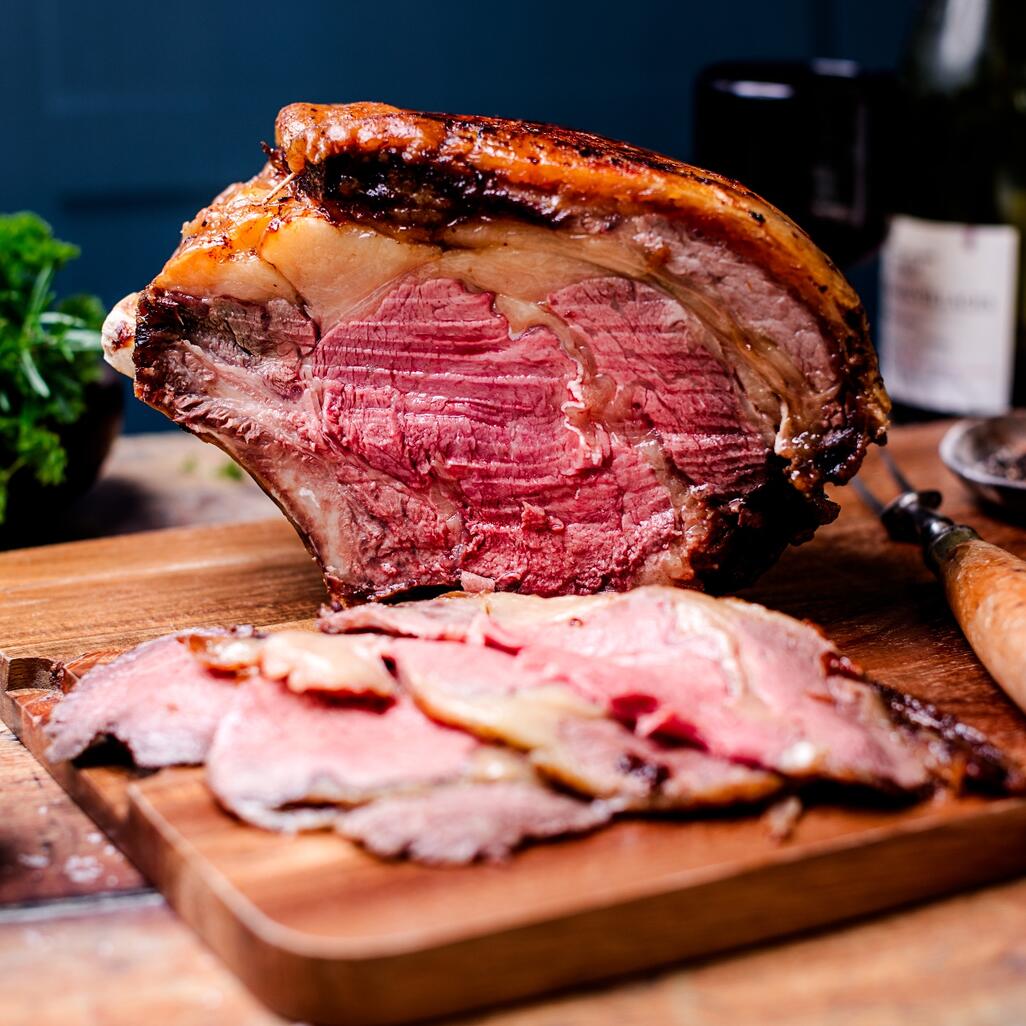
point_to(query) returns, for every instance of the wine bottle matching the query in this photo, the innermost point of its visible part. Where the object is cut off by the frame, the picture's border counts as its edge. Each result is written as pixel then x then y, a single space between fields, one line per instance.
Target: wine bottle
pixel 953 330
pixel 806 136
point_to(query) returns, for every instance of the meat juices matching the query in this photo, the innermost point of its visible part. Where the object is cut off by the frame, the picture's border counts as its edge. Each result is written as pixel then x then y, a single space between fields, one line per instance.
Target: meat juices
pixel 467 351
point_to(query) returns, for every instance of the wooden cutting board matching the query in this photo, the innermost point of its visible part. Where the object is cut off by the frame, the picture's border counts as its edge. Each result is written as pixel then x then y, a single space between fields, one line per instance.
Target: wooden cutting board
pixel 323 932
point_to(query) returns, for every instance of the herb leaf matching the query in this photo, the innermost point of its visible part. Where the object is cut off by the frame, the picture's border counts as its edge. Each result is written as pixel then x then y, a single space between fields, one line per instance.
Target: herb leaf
pixel 48 353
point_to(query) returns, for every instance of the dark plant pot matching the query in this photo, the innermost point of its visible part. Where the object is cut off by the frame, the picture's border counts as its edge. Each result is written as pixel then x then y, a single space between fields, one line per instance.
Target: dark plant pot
pixel 35 512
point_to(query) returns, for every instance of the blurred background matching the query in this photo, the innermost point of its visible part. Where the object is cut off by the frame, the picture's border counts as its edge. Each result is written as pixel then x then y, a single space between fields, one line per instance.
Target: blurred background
pixel 121 124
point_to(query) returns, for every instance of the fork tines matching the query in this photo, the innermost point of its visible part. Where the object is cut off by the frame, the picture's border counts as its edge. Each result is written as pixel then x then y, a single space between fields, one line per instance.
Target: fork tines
pixel 895 471
pixel 867 496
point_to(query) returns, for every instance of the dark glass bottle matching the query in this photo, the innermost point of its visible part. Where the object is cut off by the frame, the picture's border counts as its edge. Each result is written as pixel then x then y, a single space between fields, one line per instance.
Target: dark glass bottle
pixel 807 137
pixel 952 327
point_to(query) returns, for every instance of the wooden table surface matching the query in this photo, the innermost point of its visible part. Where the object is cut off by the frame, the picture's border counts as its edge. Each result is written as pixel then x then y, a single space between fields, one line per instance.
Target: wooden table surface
pixel 85 942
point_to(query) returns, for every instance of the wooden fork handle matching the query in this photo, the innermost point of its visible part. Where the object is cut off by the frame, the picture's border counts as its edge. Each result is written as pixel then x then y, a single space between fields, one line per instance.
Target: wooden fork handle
pixel 986 589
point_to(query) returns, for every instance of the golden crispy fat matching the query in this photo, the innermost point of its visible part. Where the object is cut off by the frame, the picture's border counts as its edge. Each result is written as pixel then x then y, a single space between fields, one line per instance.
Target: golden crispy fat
pixel 561 173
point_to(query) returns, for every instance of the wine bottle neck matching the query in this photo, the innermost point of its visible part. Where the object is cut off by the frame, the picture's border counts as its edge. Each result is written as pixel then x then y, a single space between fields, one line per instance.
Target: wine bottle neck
pixel 966 45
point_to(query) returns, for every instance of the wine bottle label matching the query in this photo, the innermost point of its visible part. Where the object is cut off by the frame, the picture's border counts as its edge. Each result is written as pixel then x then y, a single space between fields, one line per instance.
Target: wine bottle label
pixel 948 327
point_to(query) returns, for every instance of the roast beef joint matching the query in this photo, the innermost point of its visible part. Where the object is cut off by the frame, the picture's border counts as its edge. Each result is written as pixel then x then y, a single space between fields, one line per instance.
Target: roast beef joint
pixel 505 356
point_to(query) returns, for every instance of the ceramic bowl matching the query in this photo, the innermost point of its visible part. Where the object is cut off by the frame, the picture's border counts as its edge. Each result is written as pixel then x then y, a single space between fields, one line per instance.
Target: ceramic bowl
pixel 966 447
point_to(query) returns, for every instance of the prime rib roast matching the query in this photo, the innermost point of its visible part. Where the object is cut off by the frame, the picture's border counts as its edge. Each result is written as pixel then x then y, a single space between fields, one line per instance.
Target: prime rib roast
pixel 506 356
pixel 461 727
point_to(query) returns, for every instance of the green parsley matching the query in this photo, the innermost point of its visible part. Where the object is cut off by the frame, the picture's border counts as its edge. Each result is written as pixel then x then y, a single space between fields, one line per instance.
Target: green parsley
pixel 48 352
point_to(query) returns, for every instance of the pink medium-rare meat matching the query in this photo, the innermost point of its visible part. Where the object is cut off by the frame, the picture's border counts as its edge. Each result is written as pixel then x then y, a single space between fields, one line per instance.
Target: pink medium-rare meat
pixel 287 761
pixel 485 410
pixel 667 380
pixel 569 738
pixel 472 351
pixel 430 729
pixel 746 684
pixel 689 696
pixel 164 698
pixel 297 762
pixel 293 761
pixel 156 699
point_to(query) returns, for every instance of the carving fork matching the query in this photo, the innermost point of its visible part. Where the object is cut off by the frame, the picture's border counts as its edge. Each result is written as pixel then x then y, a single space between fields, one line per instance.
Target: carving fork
pixel 985 585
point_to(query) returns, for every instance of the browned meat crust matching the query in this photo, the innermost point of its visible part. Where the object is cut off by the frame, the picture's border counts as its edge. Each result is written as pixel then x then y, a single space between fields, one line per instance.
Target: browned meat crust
pixel 471 166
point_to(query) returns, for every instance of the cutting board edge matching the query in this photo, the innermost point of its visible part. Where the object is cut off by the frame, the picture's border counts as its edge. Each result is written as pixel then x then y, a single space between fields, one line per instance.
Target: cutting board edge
pixel 284 978
pixel 399 945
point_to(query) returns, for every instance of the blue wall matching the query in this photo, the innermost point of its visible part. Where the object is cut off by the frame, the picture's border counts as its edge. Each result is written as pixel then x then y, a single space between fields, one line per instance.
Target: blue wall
pixel 120 124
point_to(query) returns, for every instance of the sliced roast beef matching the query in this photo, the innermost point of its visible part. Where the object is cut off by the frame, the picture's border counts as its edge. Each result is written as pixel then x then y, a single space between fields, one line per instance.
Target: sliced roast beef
pixel 458 823
pixel 287 761
pixel 304 660
pixel 471 351
pixel 461 727
pixel 296 762
pixel 307 663
pixel 569 737
pixel 156 699
pixel 738 680
pixel 603 758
